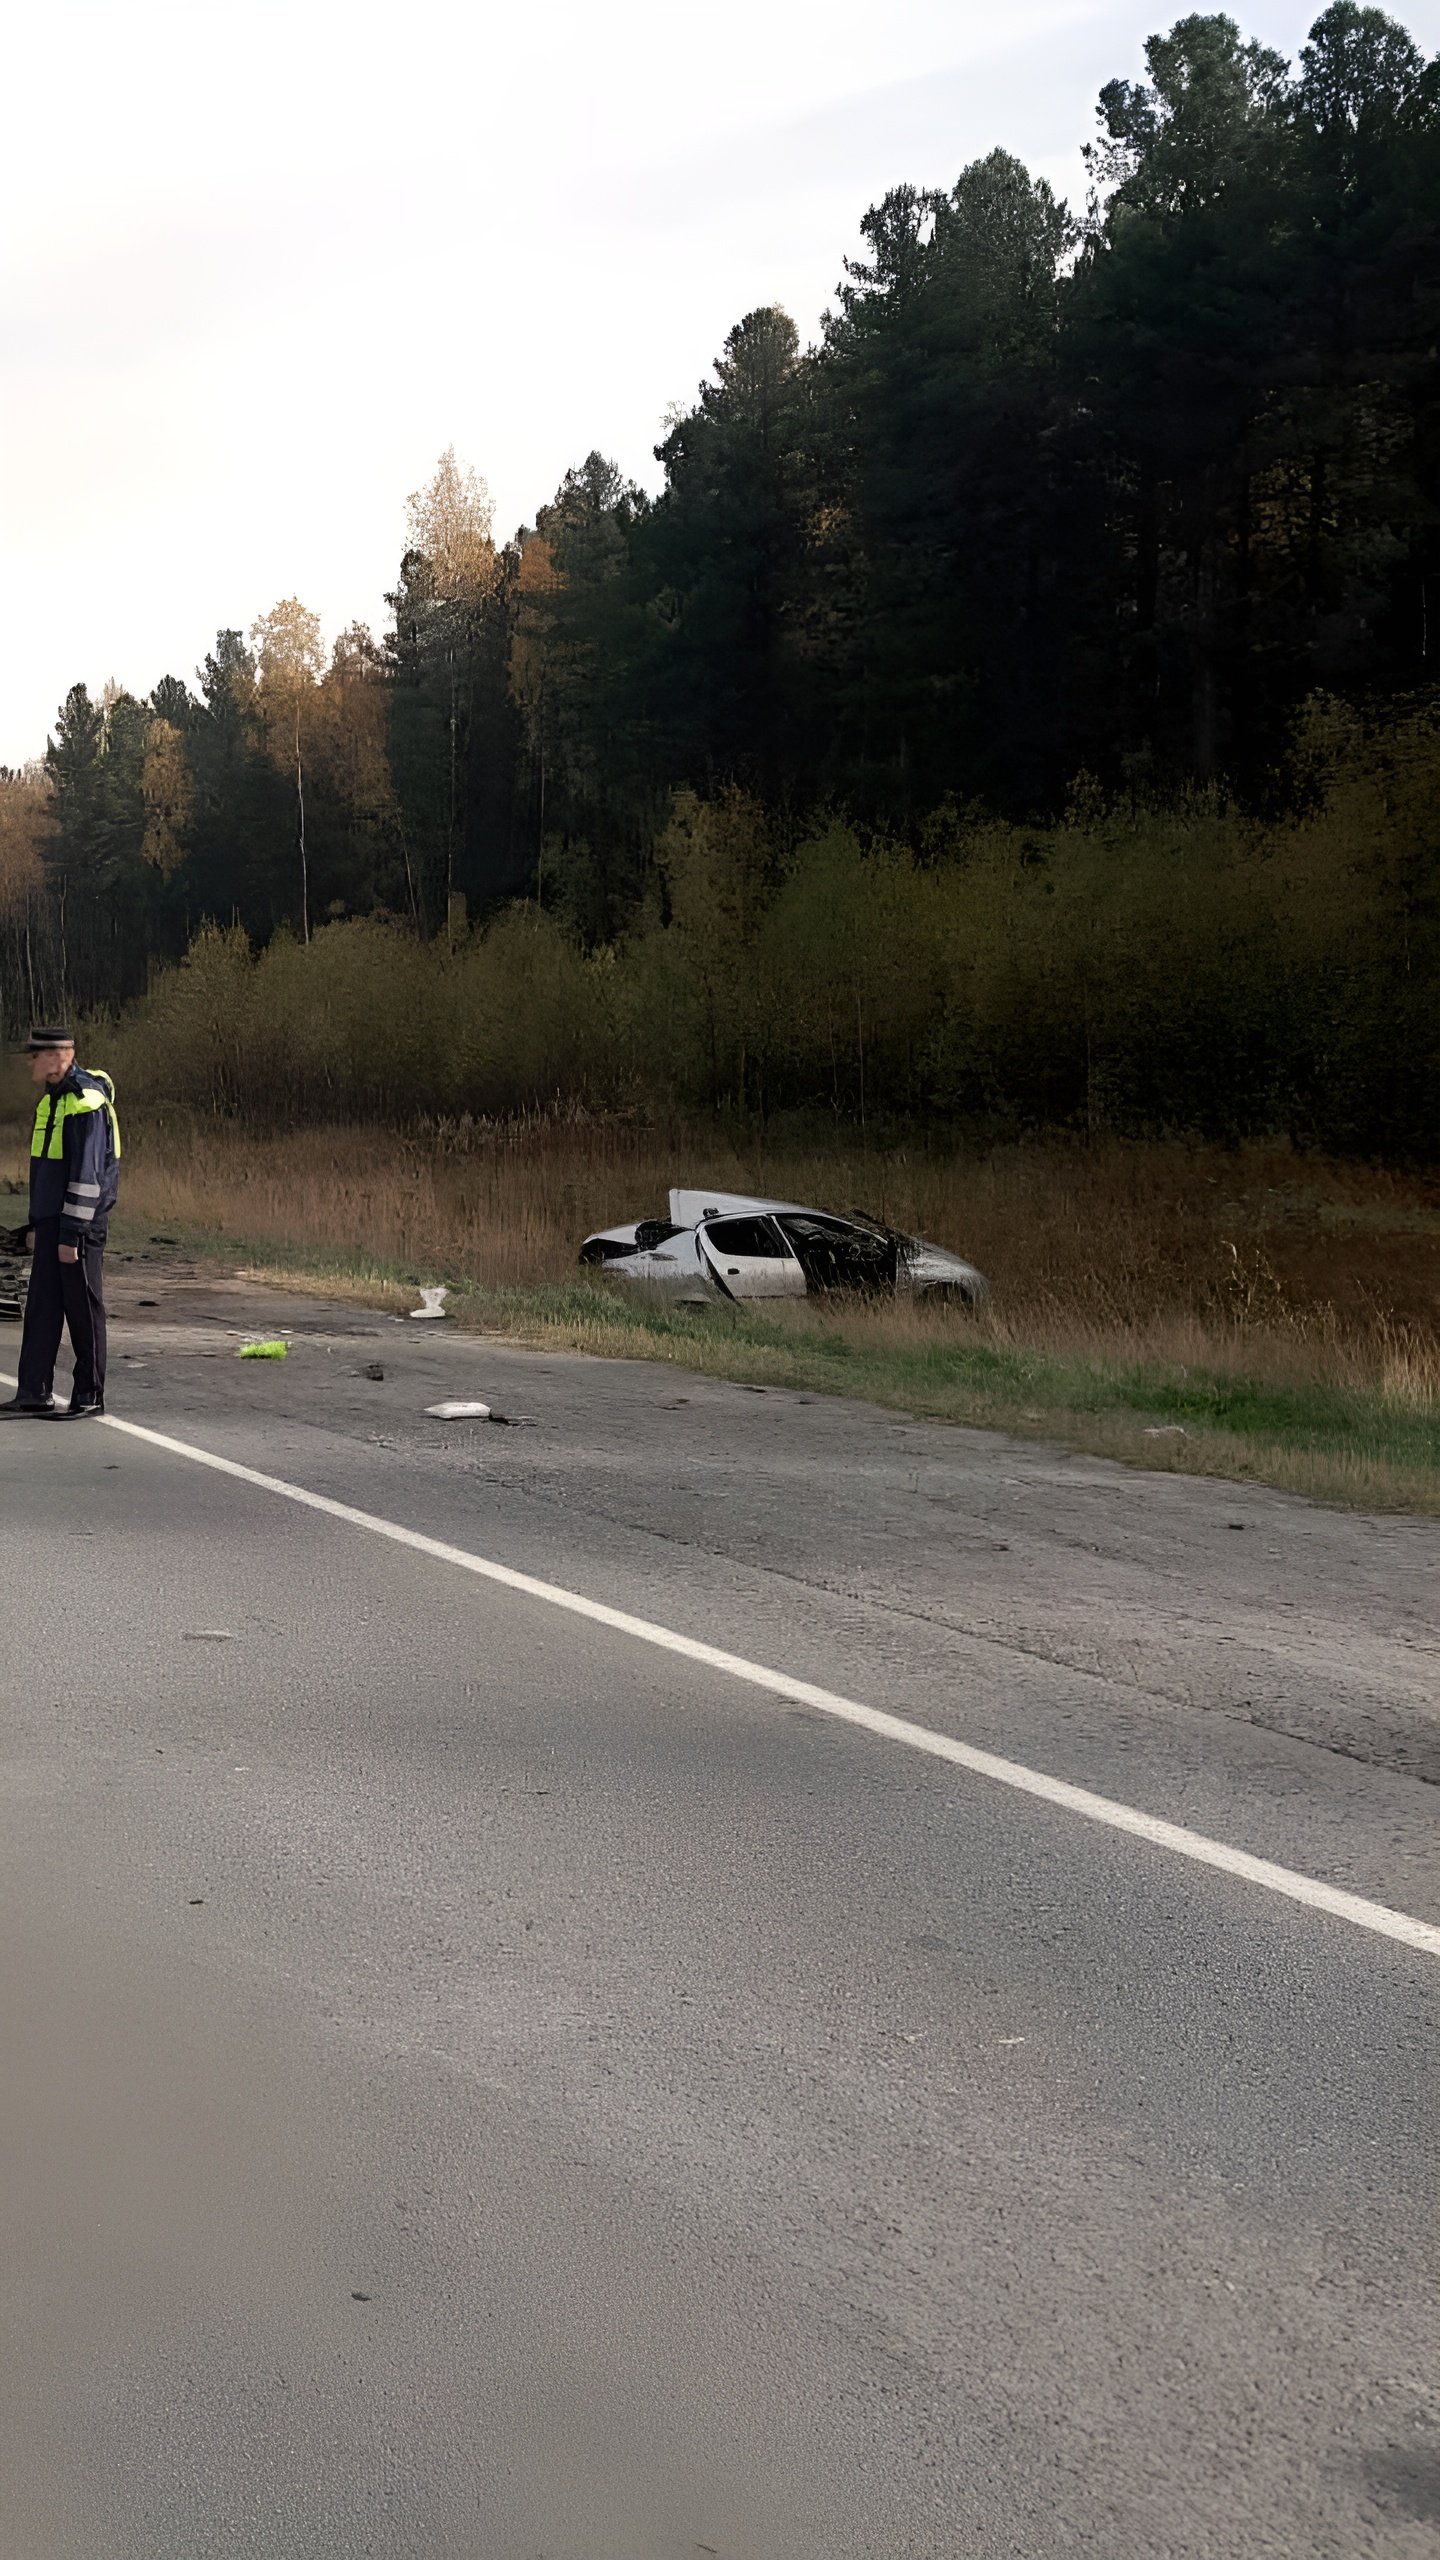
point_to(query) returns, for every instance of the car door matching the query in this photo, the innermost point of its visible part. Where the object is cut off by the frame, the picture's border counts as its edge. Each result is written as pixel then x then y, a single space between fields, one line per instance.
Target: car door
pixel 749 1258
pixel 840 1253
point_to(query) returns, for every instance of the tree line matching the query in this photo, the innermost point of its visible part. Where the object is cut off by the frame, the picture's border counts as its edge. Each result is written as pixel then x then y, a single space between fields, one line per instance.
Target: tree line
pixel 1057 502
pixel 1125 971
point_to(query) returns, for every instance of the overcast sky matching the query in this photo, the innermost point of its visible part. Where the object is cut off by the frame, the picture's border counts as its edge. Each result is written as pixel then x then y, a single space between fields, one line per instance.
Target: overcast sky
pixel 259 266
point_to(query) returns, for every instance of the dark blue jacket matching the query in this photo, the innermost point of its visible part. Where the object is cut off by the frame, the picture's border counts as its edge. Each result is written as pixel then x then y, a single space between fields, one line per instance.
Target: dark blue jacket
pixel 75 1156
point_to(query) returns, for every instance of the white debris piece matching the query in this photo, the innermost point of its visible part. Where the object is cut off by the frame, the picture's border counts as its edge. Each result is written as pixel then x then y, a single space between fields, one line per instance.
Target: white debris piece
pixel 459 1412
pixel 432 1305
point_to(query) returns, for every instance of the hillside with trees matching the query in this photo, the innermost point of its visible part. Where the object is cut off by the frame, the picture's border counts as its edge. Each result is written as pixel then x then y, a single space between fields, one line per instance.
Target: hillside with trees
pixel 1053 641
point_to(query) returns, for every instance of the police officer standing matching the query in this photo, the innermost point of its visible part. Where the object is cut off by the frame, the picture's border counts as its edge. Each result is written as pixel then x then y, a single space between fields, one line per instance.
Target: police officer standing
pixel 74 1176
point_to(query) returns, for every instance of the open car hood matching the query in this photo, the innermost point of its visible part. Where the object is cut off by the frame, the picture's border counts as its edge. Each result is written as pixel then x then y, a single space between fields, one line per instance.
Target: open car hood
pixel 687 1208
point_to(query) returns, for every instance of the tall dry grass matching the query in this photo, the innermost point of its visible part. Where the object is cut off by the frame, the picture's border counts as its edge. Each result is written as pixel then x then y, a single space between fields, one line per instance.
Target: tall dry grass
pixel 1256 1261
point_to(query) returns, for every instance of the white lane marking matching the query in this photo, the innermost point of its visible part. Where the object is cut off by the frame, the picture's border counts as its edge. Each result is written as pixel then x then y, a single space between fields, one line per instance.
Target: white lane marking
pixel 1376 1916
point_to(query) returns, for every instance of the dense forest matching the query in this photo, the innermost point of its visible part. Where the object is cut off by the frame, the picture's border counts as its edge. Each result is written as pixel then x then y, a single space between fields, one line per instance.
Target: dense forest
pixel 1085 568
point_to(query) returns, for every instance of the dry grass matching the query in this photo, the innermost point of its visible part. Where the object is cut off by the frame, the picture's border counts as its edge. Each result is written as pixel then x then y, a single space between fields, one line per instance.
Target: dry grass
pixel 1172 1251
pixel 1270 1314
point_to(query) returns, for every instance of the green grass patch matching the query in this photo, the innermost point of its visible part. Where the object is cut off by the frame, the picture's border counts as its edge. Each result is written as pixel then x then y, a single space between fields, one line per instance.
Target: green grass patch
pixel 1333 1443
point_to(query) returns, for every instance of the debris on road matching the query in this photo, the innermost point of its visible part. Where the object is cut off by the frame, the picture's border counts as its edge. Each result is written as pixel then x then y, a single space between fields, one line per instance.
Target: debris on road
pixel 263 1350
pixel 373 1369
pixel 459 1412
pixel 208 1635
pixel 431 1307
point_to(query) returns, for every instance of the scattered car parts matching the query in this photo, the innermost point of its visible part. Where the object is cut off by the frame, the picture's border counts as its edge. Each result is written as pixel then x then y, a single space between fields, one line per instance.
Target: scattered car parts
pixel 14 1272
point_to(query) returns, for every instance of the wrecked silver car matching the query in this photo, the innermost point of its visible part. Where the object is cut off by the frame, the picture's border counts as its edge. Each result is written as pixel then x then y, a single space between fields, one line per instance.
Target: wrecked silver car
pixel 723 1244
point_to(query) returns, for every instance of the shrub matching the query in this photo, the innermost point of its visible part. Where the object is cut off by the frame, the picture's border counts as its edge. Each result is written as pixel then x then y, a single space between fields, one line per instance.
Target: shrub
pixel 1145 971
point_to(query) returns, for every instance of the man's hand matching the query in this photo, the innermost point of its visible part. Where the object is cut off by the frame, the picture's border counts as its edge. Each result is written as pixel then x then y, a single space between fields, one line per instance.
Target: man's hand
pixel 69 1253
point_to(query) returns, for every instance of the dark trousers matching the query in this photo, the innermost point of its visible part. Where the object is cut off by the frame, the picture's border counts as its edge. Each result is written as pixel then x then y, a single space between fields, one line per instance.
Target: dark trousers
pixel 63 1293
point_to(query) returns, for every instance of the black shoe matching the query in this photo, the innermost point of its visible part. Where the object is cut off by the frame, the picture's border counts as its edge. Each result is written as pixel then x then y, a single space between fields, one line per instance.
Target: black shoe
pixel 32 1407
pixel 80 1408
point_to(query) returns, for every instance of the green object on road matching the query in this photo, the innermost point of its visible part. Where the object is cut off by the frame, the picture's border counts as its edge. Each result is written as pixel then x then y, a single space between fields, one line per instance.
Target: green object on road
pixel 263 1350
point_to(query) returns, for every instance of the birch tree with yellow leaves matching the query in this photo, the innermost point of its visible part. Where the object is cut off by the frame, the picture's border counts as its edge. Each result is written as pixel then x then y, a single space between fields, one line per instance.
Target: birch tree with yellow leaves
pixel 448 610
pixel 27 824
pixel 289 661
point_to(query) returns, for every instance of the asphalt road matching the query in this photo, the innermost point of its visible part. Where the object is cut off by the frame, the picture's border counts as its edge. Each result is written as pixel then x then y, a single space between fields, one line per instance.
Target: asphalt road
pixel 477 2084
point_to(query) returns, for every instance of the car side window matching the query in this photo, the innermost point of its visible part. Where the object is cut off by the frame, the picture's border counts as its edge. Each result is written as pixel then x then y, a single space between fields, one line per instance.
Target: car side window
pixel 754 1239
